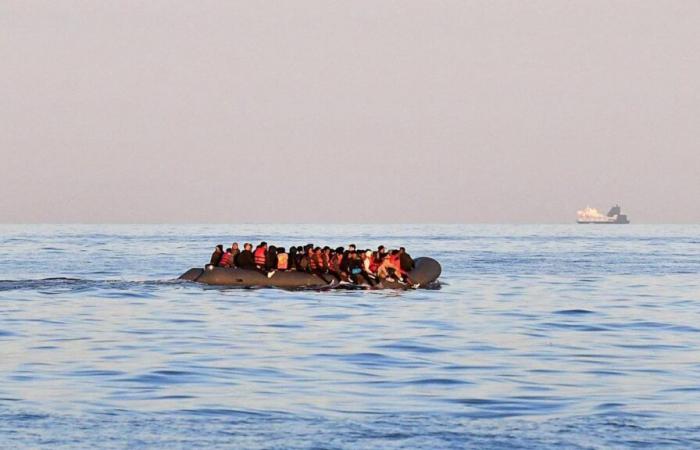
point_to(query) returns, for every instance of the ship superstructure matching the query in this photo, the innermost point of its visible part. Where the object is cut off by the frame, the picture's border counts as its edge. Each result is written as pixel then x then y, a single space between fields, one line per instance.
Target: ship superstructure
pixel 592 215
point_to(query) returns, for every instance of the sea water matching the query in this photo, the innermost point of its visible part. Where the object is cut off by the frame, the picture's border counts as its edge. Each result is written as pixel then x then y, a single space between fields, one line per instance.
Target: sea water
pixel 557 336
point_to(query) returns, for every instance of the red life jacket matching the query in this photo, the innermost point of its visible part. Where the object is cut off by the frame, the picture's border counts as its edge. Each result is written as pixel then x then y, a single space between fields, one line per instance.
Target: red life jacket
pixel 334 263
pixel 313 263
pixel 226 260
pixel 259 256
pixel 373 264
pixel 282 259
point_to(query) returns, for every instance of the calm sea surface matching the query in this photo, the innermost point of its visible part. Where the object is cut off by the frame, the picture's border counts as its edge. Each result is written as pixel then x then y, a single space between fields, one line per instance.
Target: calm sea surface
pixel 558 336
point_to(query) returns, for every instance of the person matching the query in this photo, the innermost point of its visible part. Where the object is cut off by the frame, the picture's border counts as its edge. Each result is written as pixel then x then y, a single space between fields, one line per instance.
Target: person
pixel 271 259
pixel 352 247
pixel 226 259
pixel 366 259
pixel 385 269
pixel 344 261
pixel 260 255
pixel 234 254
pixel 282 259
pixel 334 261
pixel 355 268
pixel 299 256
pixel 405 261
pixel 292 258
pixel 246 259
pixel 313 263
pixel 305 260
pixel 395 269
pixel 326 258
pixel 395 265
pixel 318 261
pixel 216 256
pixel 374 262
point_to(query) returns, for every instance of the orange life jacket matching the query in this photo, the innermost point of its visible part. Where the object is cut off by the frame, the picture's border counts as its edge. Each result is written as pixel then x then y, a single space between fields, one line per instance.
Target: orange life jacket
pixel 396 263
pixel 260 256
pixel 282 259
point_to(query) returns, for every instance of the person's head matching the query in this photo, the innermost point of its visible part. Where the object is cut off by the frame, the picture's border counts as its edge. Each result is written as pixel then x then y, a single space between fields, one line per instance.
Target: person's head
pixel 309 250
pixel 381 249
pixel 220 248
pixel 339 250
pixel 326 249
pixel 272 249
pixel 299 249
pixel 263 244
pixel 317 250
pixel 234 246
pixel 352 247
pixel 248 246
pixel 394 252
pixel 280 250
pixel 228 250
pixel 402 250
pixel 368 253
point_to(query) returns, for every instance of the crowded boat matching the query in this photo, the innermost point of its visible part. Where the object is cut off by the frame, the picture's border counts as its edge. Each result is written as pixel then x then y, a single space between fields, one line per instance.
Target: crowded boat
pixel 349 265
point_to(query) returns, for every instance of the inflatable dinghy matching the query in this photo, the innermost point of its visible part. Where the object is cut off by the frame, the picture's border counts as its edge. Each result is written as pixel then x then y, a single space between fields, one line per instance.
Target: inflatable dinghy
pixel 425 274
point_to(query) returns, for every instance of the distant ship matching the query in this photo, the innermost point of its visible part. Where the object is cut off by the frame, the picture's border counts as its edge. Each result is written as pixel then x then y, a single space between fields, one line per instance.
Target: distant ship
pixel 591 215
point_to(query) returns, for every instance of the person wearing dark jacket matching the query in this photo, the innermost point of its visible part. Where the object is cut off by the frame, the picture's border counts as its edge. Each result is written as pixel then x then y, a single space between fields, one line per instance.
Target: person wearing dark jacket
pixel 271 258
pixel 245 259
pixel 234 254
pixel 216 256
pixel 405 260
pixel 292 259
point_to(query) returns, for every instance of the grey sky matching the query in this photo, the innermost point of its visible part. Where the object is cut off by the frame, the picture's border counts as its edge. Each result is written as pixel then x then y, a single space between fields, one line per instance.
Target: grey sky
pixel 353 111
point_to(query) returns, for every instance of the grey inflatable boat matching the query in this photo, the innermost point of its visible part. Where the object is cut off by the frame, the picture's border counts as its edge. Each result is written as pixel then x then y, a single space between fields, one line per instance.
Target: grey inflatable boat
pixel 424 275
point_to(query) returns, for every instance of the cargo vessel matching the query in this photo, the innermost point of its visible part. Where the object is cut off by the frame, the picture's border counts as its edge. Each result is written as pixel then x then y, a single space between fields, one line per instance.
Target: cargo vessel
pixel 591 215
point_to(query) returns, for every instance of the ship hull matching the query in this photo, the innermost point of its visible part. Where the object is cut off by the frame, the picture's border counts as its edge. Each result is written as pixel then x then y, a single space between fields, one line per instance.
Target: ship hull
pixel 593 222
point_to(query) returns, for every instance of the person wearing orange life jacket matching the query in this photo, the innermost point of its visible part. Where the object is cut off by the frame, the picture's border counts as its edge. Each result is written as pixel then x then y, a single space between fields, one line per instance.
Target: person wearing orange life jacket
pixel 397 269
pixel 260 255
pixel 262 260
pixel 314 263
pixel 282 259
pixel 326 258
pixel 321 266
pixel 395 263
pixel 226 259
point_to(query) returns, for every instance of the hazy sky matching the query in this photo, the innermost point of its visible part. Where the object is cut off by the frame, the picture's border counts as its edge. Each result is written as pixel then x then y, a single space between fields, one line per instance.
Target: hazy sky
pixel 348 111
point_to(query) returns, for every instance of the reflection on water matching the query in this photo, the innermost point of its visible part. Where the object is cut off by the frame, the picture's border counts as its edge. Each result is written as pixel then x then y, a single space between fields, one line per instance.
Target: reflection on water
pixel 541 336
